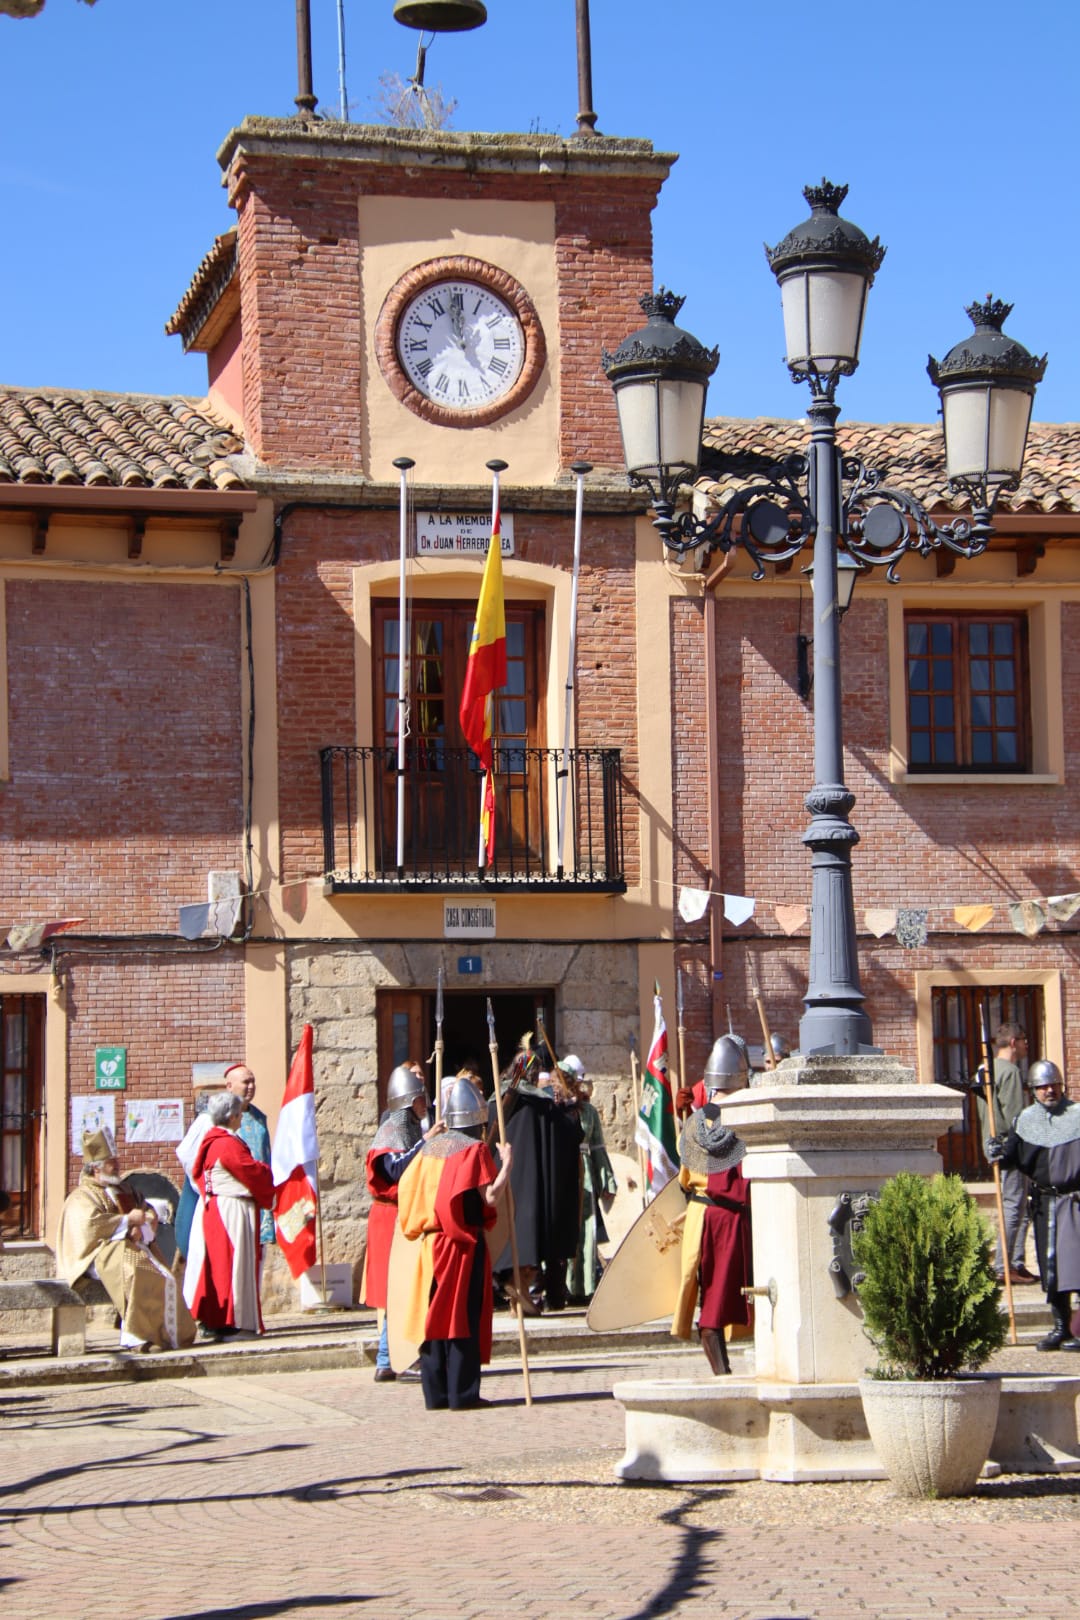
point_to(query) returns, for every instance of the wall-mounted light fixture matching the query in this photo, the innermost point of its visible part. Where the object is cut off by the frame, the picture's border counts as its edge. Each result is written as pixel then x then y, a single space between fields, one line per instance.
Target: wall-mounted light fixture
pixel 847 572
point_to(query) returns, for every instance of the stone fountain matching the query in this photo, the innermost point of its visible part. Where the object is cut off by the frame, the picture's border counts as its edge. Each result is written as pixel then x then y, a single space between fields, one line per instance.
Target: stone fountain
pixel 816 1129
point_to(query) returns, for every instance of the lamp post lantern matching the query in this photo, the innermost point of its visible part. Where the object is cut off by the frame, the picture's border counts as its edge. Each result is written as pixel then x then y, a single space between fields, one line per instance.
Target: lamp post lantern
pixel 842 508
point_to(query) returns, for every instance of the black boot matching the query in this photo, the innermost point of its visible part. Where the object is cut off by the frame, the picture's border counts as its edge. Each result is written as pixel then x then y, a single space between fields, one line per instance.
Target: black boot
pixel 712 1342
pixel 1060 1336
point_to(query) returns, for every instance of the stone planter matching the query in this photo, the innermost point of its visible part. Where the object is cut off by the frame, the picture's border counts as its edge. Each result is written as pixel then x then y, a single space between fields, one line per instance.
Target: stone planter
pixel 932 1437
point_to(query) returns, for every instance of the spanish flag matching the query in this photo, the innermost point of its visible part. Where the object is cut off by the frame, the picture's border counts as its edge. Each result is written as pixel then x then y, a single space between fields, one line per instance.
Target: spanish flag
pixel 485 672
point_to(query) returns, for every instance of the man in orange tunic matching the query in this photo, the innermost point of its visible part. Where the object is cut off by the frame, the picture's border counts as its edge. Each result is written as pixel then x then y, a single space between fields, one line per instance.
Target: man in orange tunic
pixel 446 1202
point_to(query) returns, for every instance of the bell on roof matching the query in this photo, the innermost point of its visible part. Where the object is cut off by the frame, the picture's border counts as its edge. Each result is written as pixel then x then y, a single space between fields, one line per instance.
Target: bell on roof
pixel 440 16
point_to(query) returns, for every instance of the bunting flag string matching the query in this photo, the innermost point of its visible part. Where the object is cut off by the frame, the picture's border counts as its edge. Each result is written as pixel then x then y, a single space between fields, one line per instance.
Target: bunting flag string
pixel 1028 917
pixel 913 926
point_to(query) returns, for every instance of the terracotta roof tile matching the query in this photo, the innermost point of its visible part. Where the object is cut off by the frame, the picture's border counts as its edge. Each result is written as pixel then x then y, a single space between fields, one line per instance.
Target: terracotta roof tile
pixel 212 290
pixel 910 455
pixel 122 441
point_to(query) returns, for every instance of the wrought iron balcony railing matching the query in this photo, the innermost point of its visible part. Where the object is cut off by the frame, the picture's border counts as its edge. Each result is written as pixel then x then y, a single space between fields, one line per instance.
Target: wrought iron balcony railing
pixel 442 819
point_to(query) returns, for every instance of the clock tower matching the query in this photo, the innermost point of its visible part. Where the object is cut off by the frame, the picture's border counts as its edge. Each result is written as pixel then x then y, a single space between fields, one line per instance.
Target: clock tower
pixel 440 295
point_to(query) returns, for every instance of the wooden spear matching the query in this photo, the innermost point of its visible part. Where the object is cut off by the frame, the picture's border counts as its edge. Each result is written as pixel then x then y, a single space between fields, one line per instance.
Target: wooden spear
pixel 493 1048
pixel 759 1003
pixel 988 1093
pixel 637 1111
pixel 681 1028
pixel 440 1046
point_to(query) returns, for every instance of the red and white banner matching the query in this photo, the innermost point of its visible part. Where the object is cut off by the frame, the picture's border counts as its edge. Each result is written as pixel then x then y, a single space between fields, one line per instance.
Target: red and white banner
pixel 294 1160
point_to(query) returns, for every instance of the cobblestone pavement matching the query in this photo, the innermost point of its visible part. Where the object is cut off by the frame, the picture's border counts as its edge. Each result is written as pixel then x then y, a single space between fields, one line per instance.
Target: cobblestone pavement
pixel 324 1494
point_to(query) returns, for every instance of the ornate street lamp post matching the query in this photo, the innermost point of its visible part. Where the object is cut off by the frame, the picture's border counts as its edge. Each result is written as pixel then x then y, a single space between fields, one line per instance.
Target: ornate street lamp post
pixel 825 268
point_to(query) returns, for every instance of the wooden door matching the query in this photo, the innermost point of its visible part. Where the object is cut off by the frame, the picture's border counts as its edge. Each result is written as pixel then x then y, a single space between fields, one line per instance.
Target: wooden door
pixel 442 801
pixel 401 1020
pixel 22 1068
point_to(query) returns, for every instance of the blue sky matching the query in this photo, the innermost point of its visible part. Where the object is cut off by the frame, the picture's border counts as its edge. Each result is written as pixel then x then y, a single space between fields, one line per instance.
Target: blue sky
pixel 952 122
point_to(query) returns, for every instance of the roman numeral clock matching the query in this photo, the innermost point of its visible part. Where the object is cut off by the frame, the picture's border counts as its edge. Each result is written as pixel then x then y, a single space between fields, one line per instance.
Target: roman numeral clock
pixel 459 342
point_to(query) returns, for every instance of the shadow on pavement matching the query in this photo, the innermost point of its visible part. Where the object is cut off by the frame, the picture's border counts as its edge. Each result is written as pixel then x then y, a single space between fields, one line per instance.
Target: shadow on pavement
pixel 157 1453
pixel 693 1574
pixel 266 1611
pixel 322 1490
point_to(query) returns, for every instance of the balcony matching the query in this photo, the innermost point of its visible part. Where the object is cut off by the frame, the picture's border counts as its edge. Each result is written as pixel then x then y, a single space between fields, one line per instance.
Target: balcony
pixel 442 821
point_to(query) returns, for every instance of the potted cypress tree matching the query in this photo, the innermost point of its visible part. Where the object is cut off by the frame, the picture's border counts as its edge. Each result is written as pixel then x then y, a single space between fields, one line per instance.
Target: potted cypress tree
pixel 931 1307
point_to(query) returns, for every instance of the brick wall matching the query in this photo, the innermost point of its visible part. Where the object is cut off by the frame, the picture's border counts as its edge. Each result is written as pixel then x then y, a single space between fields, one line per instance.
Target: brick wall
pixel 301 298
pixel 170 1011
pixel 125 788
pixel 919 846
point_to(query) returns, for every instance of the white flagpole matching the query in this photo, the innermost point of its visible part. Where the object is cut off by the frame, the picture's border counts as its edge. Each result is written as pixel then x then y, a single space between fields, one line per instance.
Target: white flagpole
pixel 403 465
pixel 579 469
pixel 494 468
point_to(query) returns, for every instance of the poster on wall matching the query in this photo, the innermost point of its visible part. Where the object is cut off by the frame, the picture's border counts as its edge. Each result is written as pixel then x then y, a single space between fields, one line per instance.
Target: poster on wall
pixel 91 1114
pixel 152 1120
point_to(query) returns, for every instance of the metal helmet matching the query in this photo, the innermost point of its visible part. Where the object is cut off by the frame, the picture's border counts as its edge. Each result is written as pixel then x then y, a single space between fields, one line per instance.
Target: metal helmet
pixel 781 1046
pixel 402 1086
pixel 463 1105
pixel 727 1068
pixel 1044 1073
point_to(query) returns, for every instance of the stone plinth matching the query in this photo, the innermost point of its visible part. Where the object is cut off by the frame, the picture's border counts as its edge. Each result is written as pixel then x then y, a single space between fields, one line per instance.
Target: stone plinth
pixel 817 1128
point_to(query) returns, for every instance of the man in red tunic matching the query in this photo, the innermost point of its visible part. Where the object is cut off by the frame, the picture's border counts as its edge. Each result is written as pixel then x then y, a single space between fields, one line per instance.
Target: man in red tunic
pixel 717 1256
pixel 221 1283
pixel 446 1202
pixel 396 1144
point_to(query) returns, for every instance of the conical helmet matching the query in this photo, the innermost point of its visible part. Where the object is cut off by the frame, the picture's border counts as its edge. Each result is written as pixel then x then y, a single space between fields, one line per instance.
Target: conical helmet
pixel 402 1086
pixel 463 1105
pixel 1044 1073
pixel 781 1046
pixel 727 1068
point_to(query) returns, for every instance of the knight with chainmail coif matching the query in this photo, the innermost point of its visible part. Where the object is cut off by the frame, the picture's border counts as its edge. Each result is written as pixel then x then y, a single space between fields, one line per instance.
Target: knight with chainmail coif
pixel 396 1143
pixel 1045 1144
pixel 446 1202
pixel 717 1260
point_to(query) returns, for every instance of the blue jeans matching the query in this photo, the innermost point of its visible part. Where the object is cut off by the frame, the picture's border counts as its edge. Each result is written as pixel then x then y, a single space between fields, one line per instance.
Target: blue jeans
pixel 382 1354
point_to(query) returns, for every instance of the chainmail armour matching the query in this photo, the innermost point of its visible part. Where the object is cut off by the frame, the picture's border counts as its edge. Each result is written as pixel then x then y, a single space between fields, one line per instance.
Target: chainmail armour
pixel 398 1132
pixel 449 1143
pixel 1049 1127
pixel 707 1145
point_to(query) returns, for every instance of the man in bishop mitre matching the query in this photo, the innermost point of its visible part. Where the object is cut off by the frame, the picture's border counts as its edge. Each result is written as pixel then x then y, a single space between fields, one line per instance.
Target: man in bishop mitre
pixel 107 1231
pixel 446 1202
pixel 717 1258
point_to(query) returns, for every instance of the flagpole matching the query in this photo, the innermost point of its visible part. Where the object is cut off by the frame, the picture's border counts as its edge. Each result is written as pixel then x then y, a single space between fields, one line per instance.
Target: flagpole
pixel 495 468
pixel 579 469
pixel 493 1049
pixel 403 465
pixel 439 1046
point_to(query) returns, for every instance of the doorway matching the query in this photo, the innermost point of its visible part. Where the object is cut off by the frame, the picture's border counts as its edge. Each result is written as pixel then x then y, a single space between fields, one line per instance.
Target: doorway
pixel 957 1012
pixel 406 1025
pixel 22 1069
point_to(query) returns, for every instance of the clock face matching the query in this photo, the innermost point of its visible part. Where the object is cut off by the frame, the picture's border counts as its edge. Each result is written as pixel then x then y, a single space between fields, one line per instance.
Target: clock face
pixel 460 345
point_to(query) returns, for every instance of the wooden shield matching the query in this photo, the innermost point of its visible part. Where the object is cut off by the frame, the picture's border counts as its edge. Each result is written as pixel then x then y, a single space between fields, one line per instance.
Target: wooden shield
pixel 641 1282
pixel 627 1204
pixel 404 1261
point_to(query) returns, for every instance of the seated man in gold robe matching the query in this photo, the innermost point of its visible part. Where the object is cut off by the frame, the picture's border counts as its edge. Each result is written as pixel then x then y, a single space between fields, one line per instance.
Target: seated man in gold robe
pixel 105 1231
